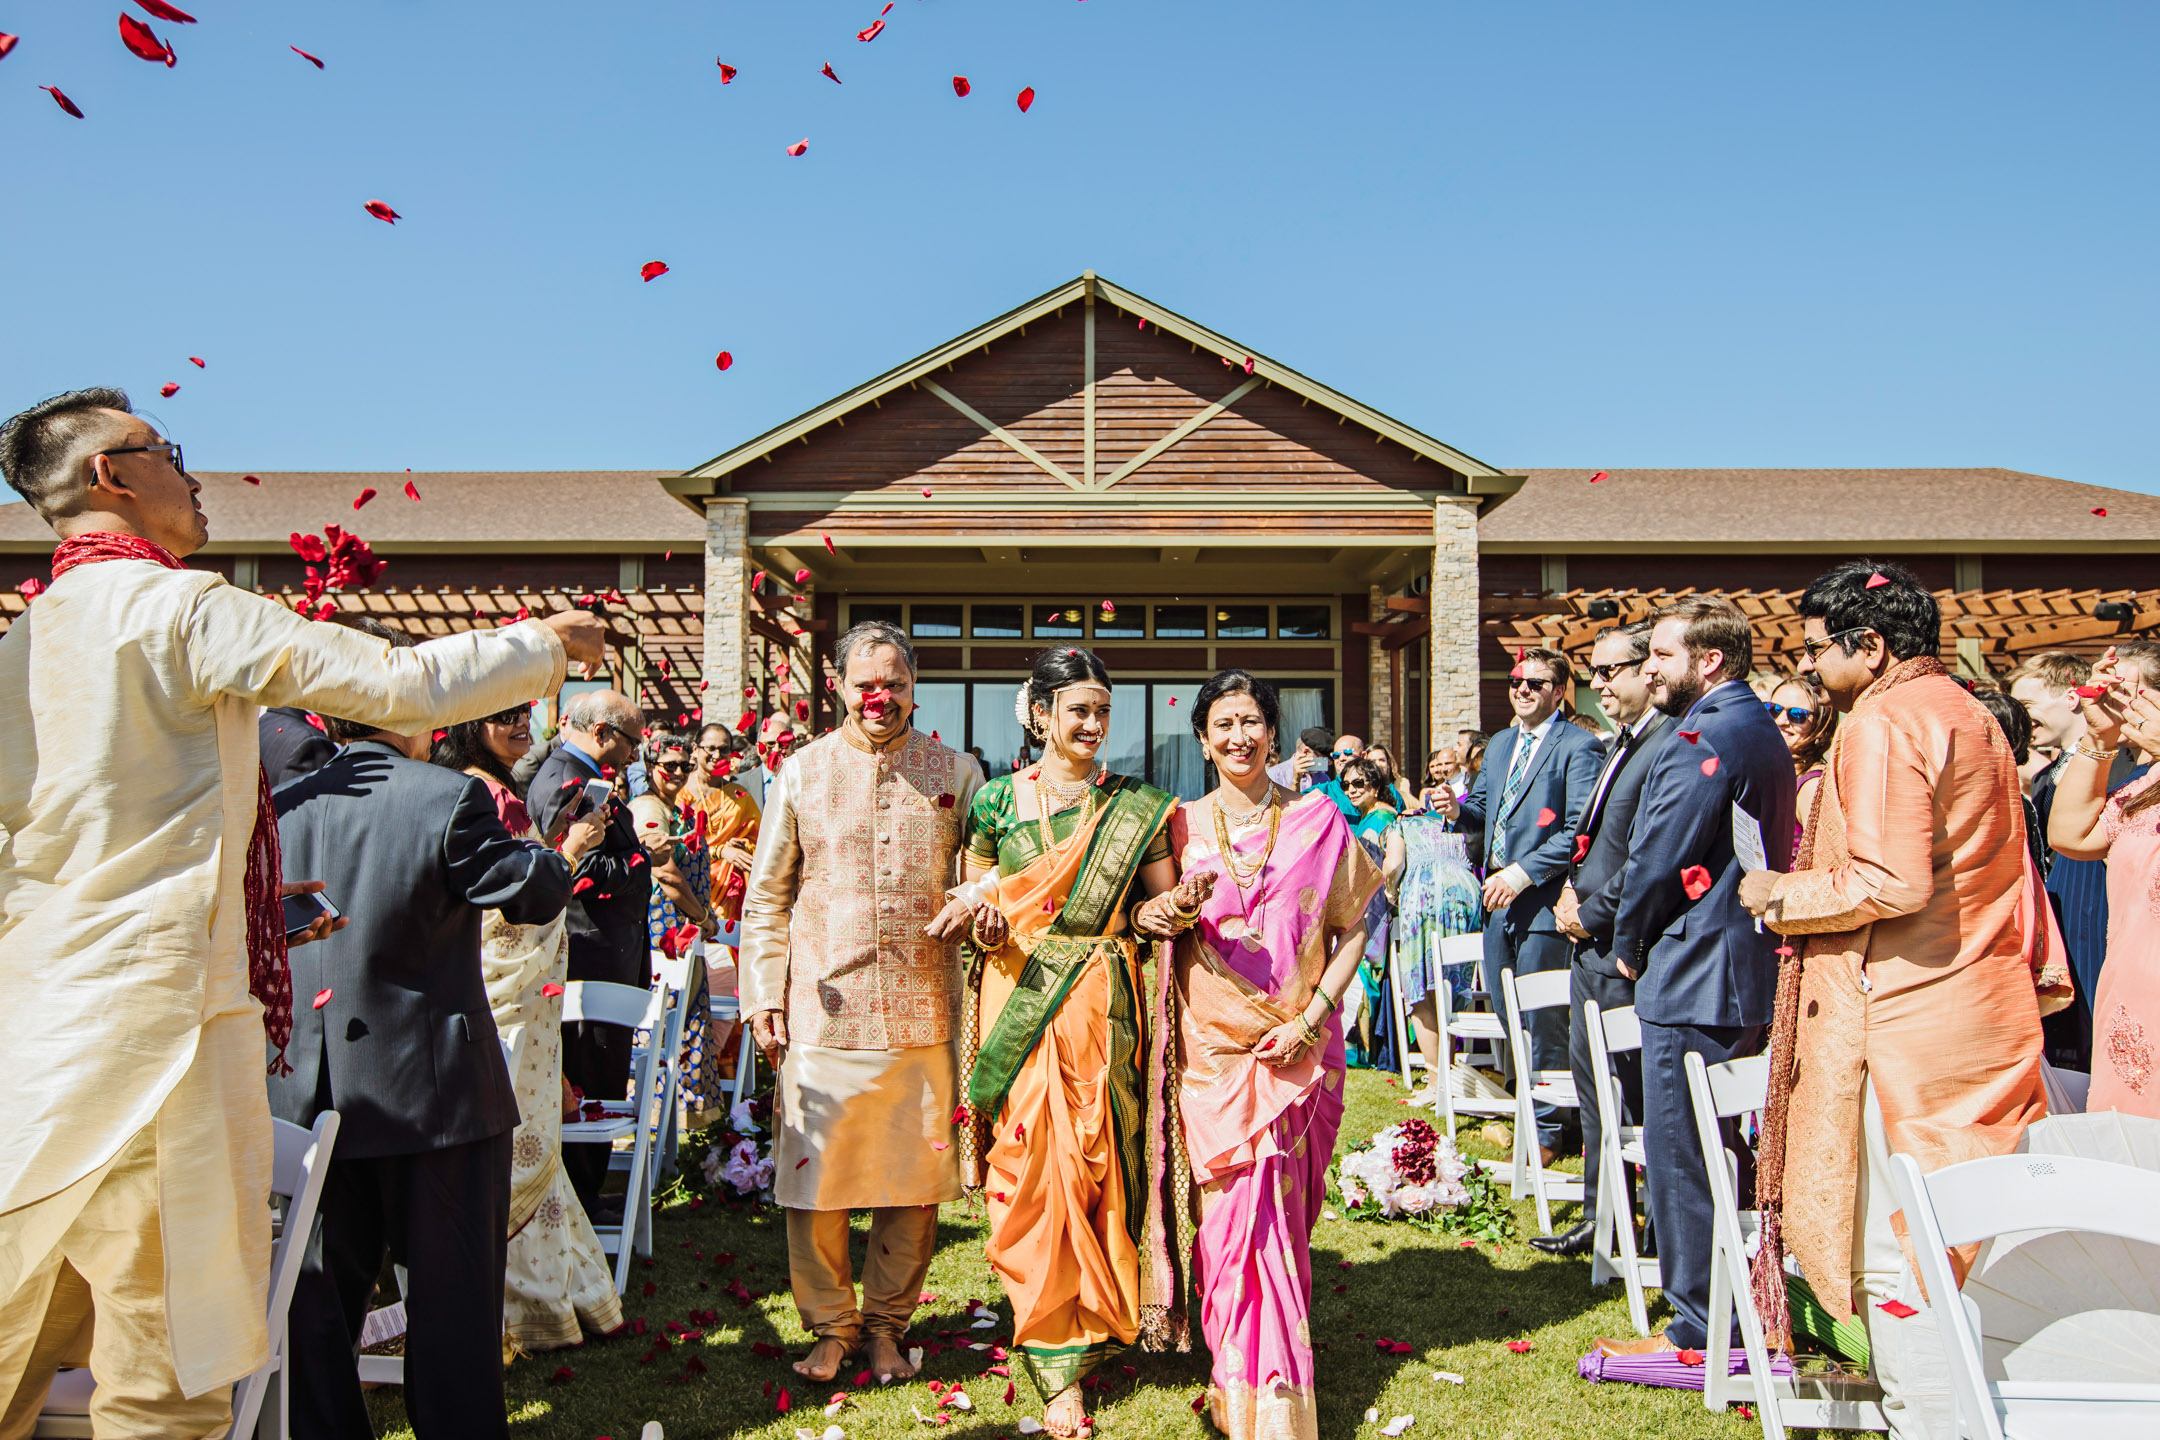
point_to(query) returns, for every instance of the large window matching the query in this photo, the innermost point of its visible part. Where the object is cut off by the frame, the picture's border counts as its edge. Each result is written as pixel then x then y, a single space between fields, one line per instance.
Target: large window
pixel 1076 619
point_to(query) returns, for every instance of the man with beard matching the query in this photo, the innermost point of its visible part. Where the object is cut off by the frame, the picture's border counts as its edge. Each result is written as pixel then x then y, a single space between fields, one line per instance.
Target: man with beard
pixel 1705 976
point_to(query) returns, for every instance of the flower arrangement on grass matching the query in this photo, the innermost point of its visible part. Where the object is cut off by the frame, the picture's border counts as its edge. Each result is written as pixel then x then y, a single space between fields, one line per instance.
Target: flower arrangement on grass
pixel 1412 1172
pixel 732 1161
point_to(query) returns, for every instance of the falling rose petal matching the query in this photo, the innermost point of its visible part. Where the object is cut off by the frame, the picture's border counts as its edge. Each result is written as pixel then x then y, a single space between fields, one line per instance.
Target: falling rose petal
pixel 1876 579
pixel 723 360
pixel 1599 476
pixel 652 270
pixel 827 542
pixel 1248 364
pixel 197 362
pixel 1546 816
pixel 305 56
pixel 926 492
pixel 364 496
pixel 1897 1309
pixel 252 479
pixel 877 28
pixel 31 588
pixel 550 990
pixel 164 11
pixel 140 41
pixel 382 212
pixel 2089 692
pixel 169 389
pixel 960 86
pixel 412 492
pixel 800 146
pixel 727 71
pixel 2101 511
pixel 322 998
pixel 584 883
pixel 827 71
pixel 1582 848
pixel 7 43
pixel 1027 99
pixel 1709 766
pixel 1696 881
pixel 61 100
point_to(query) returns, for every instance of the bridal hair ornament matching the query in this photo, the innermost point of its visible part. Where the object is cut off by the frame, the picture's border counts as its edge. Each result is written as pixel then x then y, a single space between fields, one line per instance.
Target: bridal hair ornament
pixel 1024 711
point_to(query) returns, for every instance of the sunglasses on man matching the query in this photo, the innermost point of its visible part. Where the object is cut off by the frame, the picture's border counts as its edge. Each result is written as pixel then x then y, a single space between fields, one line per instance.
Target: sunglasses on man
pixel 1606 672
pixel 1798 714
pixel 1527 682
pixel 1342 755
pixel 1815 648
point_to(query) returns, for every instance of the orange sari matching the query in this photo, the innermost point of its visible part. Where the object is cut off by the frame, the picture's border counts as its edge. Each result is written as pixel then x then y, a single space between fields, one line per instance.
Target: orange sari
pixel 1058 1041
pixel 730 814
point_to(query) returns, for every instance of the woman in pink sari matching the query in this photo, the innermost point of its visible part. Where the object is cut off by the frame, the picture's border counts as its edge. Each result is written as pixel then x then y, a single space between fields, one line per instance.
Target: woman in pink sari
pixel 1258 979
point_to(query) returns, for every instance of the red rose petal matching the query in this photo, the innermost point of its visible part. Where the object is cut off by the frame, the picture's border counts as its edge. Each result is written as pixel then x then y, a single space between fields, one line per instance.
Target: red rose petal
pixel 945 801
pixel 563 1375
pixel 169 389
pixel 305 56
pixel 802 577
pixel 1877 579
pixel 140 41
pixel 1599 476
pixel 197 362
pixel 1248 364
pixel 1027 99
pixel 1709 766
pixel 2101 511
pixel 2089 692
pixel 322 998
pixel 1582 848
pixel 7 43
pixel 1546 816
pixel 802 1162
pixel 164 11
pixel 412 492
pixel 1520 1347
pixel 584 883
pixel 727 71
pixel 252 479
pixel 827 71
pixel 1696 881
pixel 1199 1403
pixel 826 540
pixel 1691 736
pixel 877 28
pixel 800 147
pixel 723 360
pixel 62 100
pixel 652 270
pixel 363 497
pixel 382 212
pixel 783 1403
pixel 31 588
pixel 1897 1308
pixel 1689 1357
pixel 960 86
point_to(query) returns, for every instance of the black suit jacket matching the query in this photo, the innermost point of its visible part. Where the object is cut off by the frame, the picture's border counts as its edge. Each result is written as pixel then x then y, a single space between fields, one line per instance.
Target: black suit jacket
pixel 608 936
pixel 404 1048
pixel 1606 825
pixel 1541 826
pixel 291 745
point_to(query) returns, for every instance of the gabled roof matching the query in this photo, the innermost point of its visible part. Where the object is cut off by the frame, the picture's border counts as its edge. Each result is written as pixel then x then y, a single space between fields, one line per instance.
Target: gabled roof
pixel 710 477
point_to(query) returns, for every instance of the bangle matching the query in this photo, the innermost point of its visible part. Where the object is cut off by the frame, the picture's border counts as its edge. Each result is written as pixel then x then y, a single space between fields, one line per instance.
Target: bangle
pixel 1328 1001
pixel 2093 753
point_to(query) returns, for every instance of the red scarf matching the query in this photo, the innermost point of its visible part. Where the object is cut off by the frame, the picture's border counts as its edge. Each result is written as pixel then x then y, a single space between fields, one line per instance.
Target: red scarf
pixel 269 974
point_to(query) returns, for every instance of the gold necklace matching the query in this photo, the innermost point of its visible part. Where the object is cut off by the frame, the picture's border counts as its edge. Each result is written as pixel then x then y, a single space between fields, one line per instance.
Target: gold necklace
pixel 1067 793
pixel 1089 799
pixel 1253 907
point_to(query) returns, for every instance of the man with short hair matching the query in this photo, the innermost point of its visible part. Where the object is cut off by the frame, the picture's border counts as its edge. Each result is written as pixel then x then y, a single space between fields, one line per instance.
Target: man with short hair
pixel 1308 764
pixel 140 931
pixel 400 1041
pixel 1345 749
pixel 607 921
pixel 292 744
pixel 2044 685
pixel 1910 1022
pixel 852 987
pixel 1528 799
pixel 1704 974
pixel 1591 898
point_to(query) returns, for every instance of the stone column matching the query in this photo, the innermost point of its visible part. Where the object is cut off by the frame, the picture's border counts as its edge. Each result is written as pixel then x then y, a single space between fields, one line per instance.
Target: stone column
pixel 727 594
pixel 1379 680
pixel 1453 600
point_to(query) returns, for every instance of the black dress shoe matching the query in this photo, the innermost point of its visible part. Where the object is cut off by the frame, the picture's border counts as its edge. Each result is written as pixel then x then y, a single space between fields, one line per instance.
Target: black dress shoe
pixel 1569 1242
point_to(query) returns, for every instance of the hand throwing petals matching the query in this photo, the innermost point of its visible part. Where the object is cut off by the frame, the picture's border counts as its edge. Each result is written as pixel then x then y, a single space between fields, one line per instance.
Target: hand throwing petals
pixel 382 212
pixel 61 100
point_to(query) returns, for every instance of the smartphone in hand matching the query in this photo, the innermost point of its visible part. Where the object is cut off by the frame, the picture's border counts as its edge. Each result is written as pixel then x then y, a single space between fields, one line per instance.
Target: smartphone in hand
pixel 302 911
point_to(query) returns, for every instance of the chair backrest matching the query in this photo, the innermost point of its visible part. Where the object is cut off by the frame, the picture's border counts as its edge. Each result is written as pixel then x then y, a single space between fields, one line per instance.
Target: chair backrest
pixel 675 973
pixel 299 1163
pixel 1622 1032
pixel 1738 1087
pixel 1541 990
pixel 612 1004
pixel 1980 1199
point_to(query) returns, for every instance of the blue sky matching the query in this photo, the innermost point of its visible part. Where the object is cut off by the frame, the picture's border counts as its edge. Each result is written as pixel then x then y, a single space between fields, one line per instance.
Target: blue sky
pixel 1611 234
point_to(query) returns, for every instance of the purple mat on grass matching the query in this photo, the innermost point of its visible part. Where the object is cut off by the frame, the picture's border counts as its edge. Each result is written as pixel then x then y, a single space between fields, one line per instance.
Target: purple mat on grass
pixel 1665 1368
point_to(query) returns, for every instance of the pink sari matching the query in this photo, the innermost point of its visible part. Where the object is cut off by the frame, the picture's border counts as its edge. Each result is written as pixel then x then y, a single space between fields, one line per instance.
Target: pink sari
pixel 1259 1138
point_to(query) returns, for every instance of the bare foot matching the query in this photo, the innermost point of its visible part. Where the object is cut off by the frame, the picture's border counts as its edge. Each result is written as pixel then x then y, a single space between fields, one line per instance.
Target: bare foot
pixel 1066 1414
pixel 886 1360
pixel 824 1360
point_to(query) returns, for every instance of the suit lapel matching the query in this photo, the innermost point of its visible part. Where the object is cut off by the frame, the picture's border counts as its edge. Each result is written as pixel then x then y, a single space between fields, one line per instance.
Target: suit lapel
pixel 1537 763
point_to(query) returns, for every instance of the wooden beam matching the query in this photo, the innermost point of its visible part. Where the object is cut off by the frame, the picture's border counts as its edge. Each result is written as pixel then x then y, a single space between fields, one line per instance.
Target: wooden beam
pixel 1013 442
pixel 761 626
pixel 1404 634
pixel 1410 604
pixel 1179 433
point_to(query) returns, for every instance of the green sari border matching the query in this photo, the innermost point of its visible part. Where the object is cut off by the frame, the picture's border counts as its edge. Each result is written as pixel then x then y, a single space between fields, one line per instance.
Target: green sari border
pixel 1054 1369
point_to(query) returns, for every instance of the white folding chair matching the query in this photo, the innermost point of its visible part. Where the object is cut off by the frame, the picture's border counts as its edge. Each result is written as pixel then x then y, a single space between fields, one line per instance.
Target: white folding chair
pixel 1544 990
pixel 1467 1091
pixel 2018 1195
pixel 1613 1252
pixel 2066 1089
pixel 1724 1092
pixel 632 1119
pixel 260 1403
pixel 673 976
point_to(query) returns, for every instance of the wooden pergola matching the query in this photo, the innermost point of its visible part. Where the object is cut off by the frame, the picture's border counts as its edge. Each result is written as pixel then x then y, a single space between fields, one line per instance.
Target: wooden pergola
pixel 1985 632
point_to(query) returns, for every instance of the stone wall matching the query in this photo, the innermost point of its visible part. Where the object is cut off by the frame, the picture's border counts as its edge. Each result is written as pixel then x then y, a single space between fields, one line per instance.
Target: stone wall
pixel 1453 602
pixel 727 589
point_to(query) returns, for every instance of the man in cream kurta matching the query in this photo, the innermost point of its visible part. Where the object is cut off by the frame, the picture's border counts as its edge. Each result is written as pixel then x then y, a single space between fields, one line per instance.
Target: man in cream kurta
pixel 135 1147
pixel 842 980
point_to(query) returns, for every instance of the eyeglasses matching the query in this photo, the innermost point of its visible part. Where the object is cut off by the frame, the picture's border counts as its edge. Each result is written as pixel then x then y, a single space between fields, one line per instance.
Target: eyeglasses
pixel 1527 682
pixel 673 767
pixel 1606 672
pixel 1798 714
pixel 633 739
pixel 508 717
pixel 1815 648
pixel 179 462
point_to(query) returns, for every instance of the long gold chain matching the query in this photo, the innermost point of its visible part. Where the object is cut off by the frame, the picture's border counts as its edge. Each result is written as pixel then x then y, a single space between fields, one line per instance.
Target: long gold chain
pixel 1254 907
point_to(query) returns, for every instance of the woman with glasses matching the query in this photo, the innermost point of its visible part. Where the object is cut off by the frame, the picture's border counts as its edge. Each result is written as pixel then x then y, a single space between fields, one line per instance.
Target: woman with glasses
pixel 731 817
pixel 558 1283
pixel 1802 711
pixel 681 902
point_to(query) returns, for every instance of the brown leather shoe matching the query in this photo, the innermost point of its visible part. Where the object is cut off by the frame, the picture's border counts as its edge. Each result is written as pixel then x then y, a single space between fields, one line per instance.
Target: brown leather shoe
pixel 1546 1156
pixel 1635 1345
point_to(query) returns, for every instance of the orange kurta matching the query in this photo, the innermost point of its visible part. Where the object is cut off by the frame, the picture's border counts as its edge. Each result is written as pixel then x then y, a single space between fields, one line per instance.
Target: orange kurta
pixel 1921 919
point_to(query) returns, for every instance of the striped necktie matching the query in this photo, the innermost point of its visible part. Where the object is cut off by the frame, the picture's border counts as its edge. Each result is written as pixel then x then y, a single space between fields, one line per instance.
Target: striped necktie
pixel 1518 774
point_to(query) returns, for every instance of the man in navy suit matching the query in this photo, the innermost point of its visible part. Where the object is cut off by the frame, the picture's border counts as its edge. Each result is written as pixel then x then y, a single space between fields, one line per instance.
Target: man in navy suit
pixel 1529 795
pixel 1705 975
pixel 1591 897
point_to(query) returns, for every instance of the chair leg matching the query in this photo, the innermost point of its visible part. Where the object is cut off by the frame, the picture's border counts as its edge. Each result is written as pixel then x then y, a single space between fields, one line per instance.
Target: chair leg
pixel 1613 1182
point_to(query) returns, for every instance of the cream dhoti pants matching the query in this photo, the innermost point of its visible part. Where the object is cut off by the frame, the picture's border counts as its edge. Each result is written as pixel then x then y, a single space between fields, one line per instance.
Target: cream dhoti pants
pixel 1908 1354
pixel 903 1240
pixel 98 1245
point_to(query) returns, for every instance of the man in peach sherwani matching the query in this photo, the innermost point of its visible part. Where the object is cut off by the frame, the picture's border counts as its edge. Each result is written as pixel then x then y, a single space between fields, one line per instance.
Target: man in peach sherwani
pixel 1918 1027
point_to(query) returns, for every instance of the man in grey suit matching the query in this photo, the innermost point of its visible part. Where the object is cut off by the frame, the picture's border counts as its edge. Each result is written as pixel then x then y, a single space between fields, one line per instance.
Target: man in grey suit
pixel 391 1028
pixel 1529 797
pixel 1592 895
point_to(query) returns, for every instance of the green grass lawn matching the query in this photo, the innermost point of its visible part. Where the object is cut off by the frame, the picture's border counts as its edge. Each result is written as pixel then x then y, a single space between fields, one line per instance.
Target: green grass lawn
pixel 1458 1306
